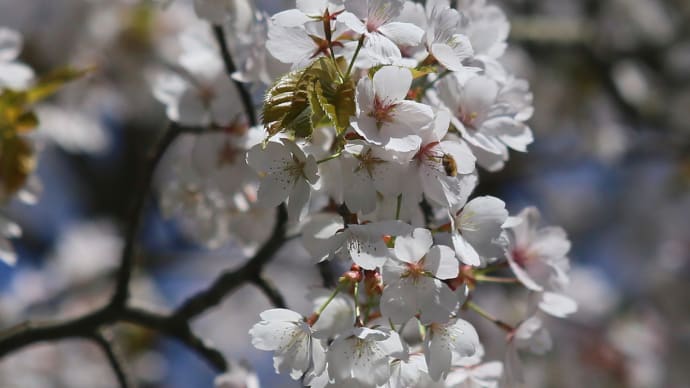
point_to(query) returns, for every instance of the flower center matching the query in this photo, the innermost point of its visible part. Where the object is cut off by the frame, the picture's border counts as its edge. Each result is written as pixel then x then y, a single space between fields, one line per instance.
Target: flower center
pixel 368 162
pixel 468 119
pixel 382 113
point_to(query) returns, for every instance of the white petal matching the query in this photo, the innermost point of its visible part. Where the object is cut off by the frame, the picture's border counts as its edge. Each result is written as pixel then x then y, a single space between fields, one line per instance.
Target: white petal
pixel 352 21
pixel 412 248
pixel 289 44
pixel 465 251
pixel 557 305
pixel 299 196
pixel 403 34
pixel 391 83
pixel 290 18
pixel 442 263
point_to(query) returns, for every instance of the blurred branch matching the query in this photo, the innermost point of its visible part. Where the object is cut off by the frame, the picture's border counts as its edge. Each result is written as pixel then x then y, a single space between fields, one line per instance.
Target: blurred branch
pixel 141 194
pixel 231 280
pixel 231 68
pixel 116 363
pixel 271 292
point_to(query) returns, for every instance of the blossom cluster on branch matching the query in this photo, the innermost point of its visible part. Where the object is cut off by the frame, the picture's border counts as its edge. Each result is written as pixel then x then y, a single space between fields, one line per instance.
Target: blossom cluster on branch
pixel 376 118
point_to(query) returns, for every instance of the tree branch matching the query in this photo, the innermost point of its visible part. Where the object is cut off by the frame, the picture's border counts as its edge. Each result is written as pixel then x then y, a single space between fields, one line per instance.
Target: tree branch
pixel 230 68
pixel 134 219
pixel 230 280
pixel 271 292
pixel 116 362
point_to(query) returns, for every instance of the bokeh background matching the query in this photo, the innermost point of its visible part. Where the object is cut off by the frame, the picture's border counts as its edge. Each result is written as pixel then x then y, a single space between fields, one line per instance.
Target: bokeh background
pixel 610 163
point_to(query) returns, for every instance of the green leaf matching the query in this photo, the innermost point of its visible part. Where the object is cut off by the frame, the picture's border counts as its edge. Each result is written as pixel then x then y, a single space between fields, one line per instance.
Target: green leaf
pixel 17 161
pixel 50 83
pixel 303 100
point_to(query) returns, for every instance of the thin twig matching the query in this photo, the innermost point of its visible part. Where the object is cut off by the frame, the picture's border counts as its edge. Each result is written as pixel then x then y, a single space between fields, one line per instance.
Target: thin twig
pixel 231 68
pixel 271 292
pixel 231 280
pixel 141 194
pixel 116 362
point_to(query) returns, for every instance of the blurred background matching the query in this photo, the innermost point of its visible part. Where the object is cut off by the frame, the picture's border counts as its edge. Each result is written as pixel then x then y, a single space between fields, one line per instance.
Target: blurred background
pixel 610 163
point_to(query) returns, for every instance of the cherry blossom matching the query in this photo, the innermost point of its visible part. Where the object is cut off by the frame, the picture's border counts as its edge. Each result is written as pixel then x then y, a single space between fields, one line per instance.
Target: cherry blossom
pixel 445 344
pixel 287 334
pixel 413 280
pixel 374 19
pixel 537 255
pixel 286 172
pixel 476 230
pixel 483 119
pixel 326 235
pixel 444 167
pixel 384 117
pixel 362 356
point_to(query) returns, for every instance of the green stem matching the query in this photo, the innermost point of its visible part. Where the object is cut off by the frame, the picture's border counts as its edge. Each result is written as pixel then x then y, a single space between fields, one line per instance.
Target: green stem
pixel 495 279
pixel 328 301
pixel 354 57
pixel 330 157
pixel 358 316
pixel 486 315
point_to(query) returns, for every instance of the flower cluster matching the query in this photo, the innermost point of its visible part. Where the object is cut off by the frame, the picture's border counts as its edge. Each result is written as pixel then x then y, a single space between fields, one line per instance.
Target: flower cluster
pixel 372 137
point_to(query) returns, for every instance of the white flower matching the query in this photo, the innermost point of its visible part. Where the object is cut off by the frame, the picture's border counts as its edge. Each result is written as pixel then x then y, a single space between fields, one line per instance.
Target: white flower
pixel 338 317
pixel 363 356
pixel 442 38
pixel 219 156
pixel 366 173
pixel 13 74
pixel 373 18
pixel 203 94
pixel 532 335
pixel 285 171
pixel 307 11
pixel 325 235
pixel 476 229
pixel 484 120
pixel 301 45
pixel 408 373
pixel 287 334
pixel 536 255
pixel 444 167
pixel 413 281
pixel 447 343
pixel 486 26
pixel 384 117
pixel 556 304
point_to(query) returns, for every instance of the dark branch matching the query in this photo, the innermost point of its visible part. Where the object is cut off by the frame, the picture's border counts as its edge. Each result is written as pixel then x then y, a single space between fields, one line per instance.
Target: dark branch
pixel 230 280
pixel 141 194
pixel 116 362
pixel 230 68
pixel 179 330
pixel 271 292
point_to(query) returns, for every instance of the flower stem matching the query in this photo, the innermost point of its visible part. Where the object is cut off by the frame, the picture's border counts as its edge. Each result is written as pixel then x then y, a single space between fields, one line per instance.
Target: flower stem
pixel 495 279
pixel 397 208
pixel 354 57
pixel 358 315
pixel 330 157
pixel 328 301
pixel 486 315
